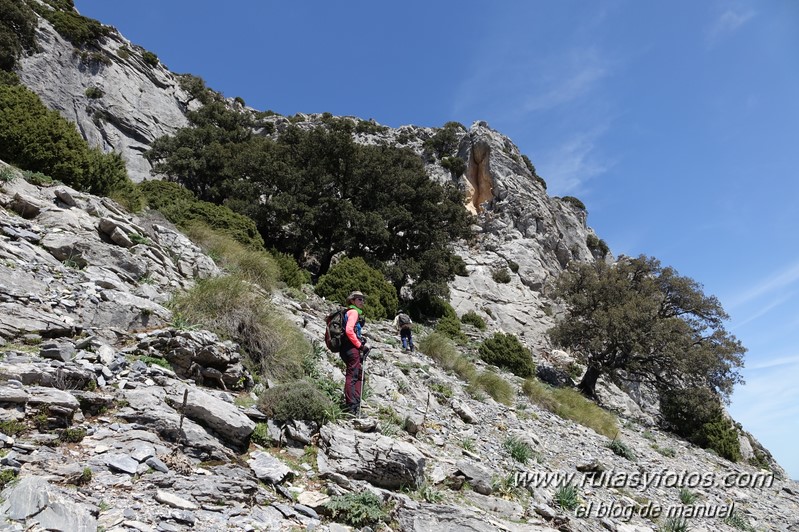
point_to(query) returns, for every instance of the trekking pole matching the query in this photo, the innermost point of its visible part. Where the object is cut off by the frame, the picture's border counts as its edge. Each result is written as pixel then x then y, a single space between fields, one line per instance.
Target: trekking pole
pixel 363 380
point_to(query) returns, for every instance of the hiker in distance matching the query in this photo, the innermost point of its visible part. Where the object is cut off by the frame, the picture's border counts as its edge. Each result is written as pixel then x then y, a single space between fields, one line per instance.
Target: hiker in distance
pixel 403 323
pixel 353 351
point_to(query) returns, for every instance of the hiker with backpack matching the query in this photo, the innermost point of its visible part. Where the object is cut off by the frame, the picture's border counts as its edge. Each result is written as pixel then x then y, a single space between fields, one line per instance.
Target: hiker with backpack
pixel 353 351
pixel 403 323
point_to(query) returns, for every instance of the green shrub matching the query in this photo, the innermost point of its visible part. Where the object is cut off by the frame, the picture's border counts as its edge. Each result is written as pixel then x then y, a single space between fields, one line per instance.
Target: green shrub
pixel 506 351
pixel 195 86
pixel 513 265
pixel 473 318
pixel 149 58
pixel 722 437
pixel 495 386
pixel 94 93
pixel 445 140
pixel 450 326
pixel 357 509
pixel 17 32
pixel 501 275
pixel 290 271
pixel 349 275
pixel 529 164
pixel 6 477
pixel 129 196
pixel 570 404
pixel 123 52
pixel 75 28
pixel 72 435
pixel 696 414
pixel 571 200
pixel 597 245
pixel 455 165
pixel 182 208
pixel 298 400
pixel 621 449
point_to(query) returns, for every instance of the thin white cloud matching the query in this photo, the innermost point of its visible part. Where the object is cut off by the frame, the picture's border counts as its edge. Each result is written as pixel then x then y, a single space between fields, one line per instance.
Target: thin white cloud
pixel 566 88
pixel 762 311
pixel 776 362
pixel 773 284
pixel 573 163
pixel 768 406
pixel 727 23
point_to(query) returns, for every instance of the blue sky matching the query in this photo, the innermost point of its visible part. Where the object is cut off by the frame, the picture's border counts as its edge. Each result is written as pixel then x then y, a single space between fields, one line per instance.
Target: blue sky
pixel 676 123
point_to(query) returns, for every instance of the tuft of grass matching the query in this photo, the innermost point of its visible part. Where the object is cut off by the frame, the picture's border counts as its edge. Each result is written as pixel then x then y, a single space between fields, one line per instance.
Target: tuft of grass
pixel 519 450
pixel 442 349
pixel 621 449
pixel 736 520
pixel 570 404
pixel 12 428
pixel 675 524
pixel 229 307
pixel 260 435
pixel 665 451
pixel 252 265
pixel 567 497
pixel 498 388
pixel 687 496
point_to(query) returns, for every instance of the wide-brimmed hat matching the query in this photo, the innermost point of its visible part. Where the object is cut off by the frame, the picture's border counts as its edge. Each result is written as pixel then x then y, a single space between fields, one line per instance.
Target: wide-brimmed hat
pixel 354 295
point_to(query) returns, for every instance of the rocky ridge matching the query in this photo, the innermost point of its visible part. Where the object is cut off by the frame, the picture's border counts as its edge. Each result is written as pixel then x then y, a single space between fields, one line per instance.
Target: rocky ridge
pixel 113 441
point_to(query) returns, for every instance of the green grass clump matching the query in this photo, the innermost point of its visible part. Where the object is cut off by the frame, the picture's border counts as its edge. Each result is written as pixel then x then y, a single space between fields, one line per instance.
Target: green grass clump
pixel 687 496
pixel 570 404
pixel 567 497
pixel 12 428
pixel 442 349
pixel 519 450
pixel 675 524
pixel 621 449
pixel 254 265
pixel 229 307
pixel 498 388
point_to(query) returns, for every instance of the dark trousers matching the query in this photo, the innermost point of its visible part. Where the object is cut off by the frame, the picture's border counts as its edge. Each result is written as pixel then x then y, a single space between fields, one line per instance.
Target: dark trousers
pixel 352 379
pixel 407 339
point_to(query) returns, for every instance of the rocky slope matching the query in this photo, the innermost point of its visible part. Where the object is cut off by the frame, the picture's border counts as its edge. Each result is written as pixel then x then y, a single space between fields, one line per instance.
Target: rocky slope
pixel 107 439
pixel 82 288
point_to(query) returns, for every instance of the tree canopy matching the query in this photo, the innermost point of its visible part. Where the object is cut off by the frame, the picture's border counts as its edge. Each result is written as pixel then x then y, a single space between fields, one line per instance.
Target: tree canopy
pixel 641 321
pixel 315 193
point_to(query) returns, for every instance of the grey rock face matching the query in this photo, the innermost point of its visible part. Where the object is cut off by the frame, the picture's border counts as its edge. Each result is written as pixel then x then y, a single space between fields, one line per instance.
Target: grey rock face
pixel 139 102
